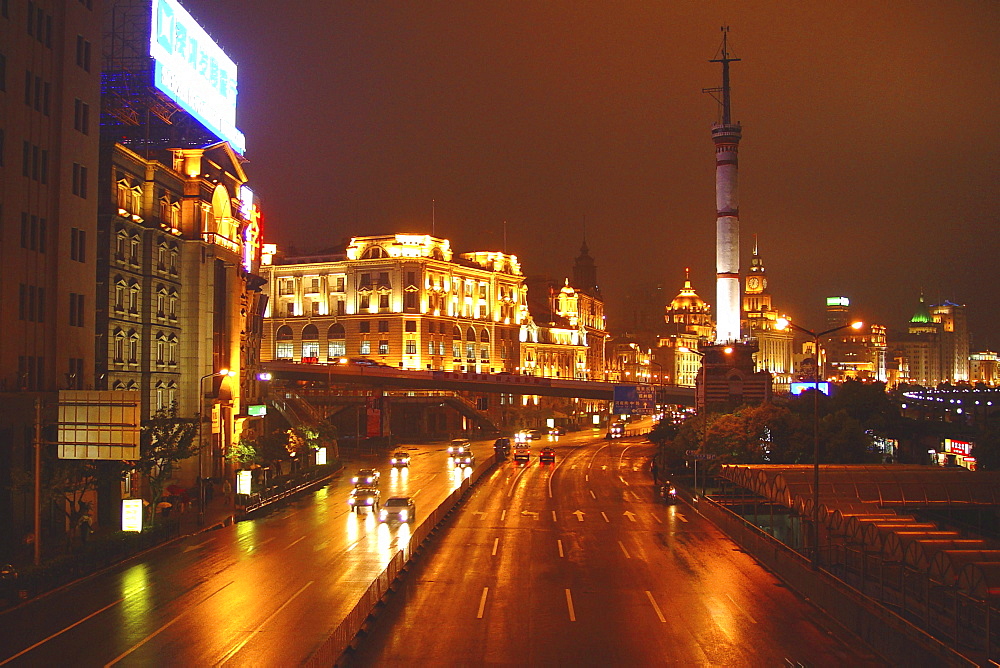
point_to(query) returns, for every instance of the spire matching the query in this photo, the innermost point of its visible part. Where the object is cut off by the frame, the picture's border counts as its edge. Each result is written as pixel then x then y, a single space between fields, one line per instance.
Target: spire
pixel 755 244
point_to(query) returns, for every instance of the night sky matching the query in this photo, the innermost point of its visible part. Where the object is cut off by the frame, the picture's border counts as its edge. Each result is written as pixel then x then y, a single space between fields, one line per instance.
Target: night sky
pixel 868 166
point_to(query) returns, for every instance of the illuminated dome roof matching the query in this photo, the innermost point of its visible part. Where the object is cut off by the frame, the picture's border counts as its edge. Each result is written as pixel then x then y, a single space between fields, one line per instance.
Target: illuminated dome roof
pixel 687 299
pixel 923 315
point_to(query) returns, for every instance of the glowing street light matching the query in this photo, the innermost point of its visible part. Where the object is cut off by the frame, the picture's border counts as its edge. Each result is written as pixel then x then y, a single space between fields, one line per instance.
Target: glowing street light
pixel 782 324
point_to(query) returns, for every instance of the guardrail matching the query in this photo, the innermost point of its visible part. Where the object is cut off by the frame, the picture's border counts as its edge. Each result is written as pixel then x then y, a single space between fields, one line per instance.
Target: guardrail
pixel 891 636
pixel 337 643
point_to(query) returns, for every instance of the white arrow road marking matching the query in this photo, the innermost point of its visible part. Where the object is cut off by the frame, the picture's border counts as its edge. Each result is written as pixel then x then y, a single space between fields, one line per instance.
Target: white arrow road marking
pixel 480 513
pixel 496 544
pixel 629 514
pixel 579 515
pixel 622 546
pixel 680 517
pixel 559 543
pixel 656 608
pixel 605 516
pixel 604 468
pixel 569 605
pixel 529 513
pixel 573 466
pixel 482 603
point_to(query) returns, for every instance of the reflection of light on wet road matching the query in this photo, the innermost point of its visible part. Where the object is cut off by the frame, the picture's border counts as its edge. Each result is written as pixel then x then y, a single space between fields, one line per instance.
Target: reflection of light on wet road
pixel 399 481
pixel 135 591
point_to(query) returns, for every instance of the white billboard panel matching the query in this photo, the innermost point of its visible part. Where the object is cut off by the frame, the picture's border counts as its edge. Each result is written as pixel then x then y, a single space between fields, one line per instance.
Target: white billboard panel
pixel 99 424
pixel 193 71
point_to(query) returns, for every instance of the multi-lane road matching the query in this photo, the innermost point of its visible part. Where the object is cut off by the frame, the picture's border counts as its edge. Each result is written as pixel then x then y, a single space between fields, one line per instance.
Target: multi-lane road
pixel 575 564
pixel 571 563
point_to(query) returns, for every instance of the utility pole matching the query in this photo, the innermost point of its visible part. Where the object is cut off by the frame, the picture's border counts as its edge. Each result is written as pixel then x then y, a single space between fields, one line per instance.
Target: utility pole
pixel 38 481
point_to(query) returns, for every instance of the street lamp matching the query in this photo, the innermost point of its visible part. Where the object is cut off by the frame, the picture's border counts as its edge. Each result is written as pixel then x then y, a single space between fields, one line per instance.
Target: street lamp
pixel 782 324
pixel 201 440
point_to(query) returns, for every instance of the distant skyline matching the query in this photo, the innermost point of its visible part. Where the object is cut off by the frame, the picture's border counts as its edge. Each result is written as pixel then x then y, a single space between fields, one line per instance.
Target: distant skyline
pixel 867 166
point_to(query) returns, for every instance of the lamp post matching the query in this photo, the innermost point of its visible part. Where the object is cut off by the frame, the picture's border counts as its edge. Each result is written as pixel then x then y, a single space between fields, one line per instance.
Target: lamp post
pixel 201 440
pixel 785 323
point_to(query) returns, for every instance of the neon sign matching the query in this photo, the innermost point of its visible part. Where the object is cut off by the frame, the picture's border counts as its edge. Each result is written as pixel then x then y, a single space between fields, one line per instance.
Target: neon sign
pixel 193 71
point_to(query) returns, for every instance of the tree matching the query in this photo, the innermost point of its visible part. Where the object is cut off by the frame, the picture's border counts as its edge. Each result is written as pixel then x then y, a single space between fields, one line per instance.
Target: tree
pixel 164 441
pixel 987 447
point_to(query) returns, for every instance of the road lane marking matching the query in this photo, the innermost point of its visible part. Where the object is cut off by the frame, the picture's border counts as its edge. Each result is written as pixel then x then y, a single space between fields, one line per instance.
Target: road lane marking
pixel 231 653
pixel 658 520
pixel 579 514
pixel 482 603
pixel 58 633
pixel 623 480
pixel 605 516
pixel 621 457
pixel 680 517
pixel 165 626
pixel 595 456
pixel 529 513
pixel 480 513
pixel 414 495
pixel 496 544
pixel 295 542
pixel 554 516
pixel 587 477
pixel 503 514
pixel 569 605
pixel 622 546
pixel 656 608
pixel 629 514
pixel 592 493
pixel 559 543
pixel 738 607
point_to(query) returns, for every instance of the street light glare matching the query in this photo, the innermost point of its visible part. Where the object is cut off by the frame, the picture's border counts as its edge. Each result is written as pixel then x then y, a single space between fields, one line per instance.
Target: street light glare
pixel 857 324
pixel 782 323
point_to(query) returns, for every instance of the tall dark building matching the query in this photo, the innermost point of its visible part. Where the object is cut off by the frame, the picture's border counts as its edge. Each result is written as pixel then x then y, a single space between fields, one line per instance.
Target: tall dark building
pixel 585 272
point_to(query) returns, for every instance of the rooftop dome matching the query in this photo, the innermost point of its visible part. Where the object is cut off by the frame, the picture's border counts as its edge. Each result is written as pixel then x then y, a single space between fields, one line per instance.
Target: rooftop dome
pixel 687 299
pixel 923 315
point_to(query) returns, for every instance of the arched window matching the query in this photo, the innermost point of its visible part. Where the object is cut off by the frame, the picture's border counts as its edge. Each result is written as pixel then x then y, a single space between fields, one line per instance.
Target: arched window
pixel 172 304
pixel 160 396
pixel 285 348
pixel 310 341
pixel 456 333
pixel 373 253
pixel 336 341
pixel 470 335
pixel 133 347
pixel 484 336
pixel 119 354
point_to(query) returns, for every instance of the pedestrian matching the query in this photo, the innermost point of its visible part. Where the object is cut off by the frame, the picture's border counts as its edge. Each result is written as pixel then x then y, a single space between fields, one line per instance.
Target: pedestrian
pixel 209 490
pixel 85 521
pixel 656 472
pixel 227 490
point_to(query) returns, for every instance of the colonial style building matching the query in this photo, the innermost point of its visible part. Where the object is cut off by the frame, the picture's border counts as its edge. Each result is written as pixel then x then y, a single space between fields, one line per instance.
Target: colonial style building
pixel 688 326
pixel 774 346
pixel 936 345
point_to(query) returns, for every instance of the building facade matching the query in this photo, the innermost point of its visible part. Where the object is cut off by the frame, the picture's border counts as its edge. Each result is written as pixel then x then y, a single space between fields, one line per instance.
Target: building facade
pixel 774 346
pixel 688 327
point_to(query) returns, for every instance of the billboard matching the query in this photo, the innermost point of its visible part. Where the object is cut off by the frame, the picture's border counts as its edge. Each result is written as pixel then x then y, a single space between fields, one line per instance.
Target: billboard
pixel 800 387
pixel 634 400
pixel 99 424
pixel 191 69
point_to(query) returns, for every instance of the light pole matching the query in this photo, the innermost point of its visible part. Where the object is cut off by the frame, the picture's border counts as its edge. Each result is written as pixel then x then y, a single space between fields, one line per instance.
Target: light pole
pixel 785 323
pixel 201 440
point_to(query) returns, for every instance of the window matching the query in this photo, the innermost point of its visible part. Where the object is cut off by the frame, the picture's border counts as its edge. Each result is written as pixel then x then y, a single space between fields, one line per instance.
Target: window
pixel 82 53
pixel 120 296
pixel 383 279
pixel 456 350
pixel 410 326
pixel 172 305
pixel 285 347
pixel 484 353
pixel 172 350
pixel 364 326
pixel 78 245
pixel 383 325
pixel 133 349
pixel 411 347
pixel 341 307
pixel 315 308
pixel 470 352
pixel 133 250
pixel 310 349
pixel 74 376
pixel 383 347
pixel 120 243
pixel 430 347
pixel 81 116
pixel 161 302
pixel 119 354
pixel 76 316
pixel 336 348
pixel 410 300
pixel 340 284
pixel 383 301
pixel 133 298
pixel 161 350
pixel 314 284
pixel 365 348
pixel 79 180
pixel 411 279
pixel 289 310
pixel 365 303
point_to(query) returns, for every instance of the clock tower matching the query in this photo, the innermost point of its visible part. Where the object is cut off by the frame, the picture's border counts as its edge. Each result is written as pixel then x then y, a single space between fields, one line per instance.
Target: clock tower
pixel 756 298
pixel 774 346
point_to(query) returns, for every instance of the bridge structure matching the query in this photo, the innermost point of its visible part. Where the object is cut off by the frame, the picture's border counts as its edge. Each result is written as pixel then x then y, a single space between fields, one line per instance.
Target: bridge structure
pixel 390 378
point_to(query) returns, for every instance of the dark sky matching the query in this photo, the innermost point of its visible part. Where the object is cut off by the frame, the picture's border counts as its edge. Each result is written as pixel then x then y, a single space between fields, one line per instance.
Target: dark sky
pixel 868 166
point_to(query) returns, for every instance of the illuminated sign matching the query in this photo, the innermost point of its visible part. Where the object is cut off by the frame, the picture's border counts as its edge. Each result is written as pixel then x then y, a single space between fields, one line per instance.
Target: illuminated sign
pixel 634 400
pixel 799 388
pixel 838 301
pixel 957 447
pixel 320 456
pixel 257 410
pixel 131 514
pixel 243 482
pixel 251 238
pixel 193 71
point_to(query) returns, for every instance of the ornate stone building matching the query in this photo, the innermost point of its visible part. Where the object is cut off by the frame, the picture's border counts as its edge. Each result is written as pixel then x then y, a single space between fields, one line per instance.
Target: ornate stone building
pixel 774 346
pixel 688 326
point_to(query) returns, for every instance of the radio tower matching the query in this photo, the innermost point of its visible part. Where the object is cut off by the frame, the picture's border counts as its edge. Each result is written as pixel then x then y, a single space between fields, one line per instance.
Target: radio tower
pixel 726 136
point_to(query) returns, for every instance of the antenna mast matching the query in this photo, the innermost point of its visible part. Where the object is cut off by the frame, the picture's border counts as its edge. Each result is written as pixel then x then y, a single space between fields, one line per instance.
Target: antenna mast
pixel 725 59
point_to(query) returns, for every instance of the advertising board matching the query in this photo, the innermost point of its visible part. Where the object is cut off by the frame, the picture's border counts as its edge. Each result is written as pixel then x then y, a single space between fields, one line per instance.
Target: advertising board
pixel 99 424
pixel 191 69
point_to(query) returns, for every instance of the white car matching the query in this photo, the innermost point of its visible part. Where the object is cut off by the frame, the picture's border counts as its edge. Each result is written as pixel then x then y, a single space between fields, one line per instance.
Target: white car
pixel 366 478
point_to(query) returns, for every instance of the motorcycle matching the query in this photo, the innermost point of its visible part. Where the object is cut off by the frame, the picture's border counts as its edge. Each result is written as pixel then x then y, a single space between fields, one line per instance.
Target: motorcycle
pixel 668 493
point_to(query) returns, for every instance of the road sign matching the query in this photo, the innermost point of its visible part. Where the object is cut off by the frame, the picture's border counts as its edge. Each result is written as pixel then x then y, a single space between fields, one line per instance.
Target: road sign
pixel 634 400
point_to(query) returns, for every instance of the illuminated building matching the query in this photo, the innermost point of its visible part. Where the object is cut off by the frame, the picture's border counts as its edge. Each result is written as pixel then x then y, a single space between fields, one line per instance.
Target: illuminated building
pixel 774 345
pixel 688 325
pixel 984 367
pixel 403 300
pixel 936 345
pixel 179 230
pixel 50 57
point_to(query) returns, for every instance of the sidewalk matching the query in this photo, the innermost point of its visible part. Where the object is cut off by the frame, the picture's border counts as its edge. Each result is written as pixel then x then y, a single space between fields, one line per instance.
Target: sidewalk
pixel 219 512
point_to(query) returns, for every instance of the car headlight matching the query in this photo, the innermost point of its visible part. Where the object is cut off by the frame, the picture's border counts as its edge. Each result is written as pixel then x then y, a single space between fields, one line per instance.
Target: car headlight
pixel 350 501
pixel 354 480
pixel 393 460
pixel 403 515
pixel 382 515
pixel 369 501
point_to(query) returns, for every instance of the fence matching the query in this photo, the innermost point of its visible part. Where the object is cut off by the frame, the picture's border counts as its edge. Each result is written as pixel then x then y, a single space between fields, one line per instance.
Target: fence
pixel 888 634
pixel 340 639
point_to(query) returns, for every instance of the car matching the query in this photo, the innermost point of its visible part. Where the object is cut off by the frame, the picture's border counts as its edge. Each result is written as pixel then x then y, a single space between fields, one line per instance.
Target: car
pixel 547 456
pixel 398 509
pixel 400 459
pixel 557 431
pixel 522 455
pixel 501 447
pixel 458 446
pixel 616 430
pixel 364 497
pixel 534 434
pixel 366 478
pixel 463 460
pixel 363 361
